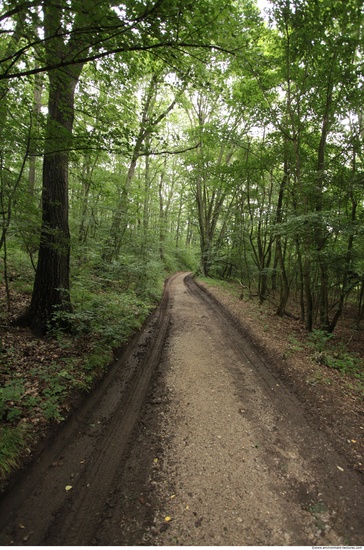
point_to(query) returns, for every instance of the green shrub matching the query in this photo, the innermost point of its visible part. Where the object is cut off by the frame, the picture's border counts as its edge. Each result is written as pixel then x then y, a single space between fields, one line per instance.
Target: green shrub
pixel 335 356
pixel 10 396
pixel 319 339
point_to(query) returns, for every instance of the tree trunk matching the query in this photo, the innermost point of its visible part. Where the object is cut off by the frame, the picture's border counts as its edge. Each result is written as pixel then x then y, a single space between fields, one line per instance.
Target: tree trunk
pixel 51 292
pixel 37 105
pixel 147 124
pixel 321 232
pixel 347 264
pixel 306 274
pixel 284 289
pixel 360 315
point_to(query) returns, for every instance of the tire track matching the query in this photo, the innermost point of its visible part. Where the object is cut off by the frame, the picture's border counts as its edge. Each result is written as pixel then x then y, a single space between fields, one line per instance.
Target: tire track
pixel 238 461
pixel 86 451
pixel 244 463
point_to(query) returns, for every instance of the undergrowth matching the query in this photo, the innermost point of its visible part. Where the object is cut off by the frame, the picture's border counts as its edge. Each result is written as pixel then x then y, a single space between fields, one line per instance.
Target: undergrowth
pixel 335 355
pixel 40 378
pixel 324 348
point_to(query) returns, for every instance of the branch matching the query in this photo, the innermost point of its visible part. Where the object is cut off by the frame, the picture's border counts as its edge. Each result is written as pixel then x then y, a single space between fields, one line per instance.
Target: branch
pixel 177 152
pixel 117 150
pixel 125 49
pixel 18 9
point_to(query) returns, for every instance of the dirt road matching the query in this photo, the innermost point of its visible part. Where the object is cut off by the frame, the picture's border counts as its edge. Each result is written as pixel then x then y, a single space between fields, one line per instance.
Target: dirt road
pixel 191 439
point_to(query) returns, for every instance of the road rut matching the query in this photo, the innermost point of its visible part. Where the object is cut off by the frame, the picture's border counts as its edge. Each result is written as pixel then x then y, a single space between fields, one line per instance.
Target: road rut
pixel 192 439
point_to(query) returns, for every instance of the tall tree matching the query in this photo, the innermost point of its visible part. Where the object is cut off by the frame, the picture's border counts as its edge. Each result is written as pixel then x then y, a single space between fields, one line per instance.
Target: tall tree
pixel 74 33
pixel 51 292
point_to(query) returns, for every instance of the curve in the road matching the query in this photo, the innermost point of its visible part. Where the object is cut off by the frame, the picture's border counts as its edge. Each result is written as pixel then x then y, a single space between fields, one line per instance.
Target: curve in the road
pixel 92 451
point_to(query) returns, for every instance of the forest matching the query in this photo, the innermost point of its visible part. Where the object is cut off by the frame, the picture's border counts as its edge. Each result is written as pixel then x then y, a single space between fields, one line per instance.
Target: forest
pixel 151 136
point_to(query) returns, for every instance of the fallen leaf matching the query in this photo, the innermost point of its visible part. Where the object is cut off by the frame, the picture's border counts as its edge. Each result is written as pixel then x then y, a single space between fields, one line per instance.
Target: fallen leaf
pixel 167 519
pixel 353 440
pixel 68 487
pixel 173 496
pixel 340 468
pixel 155 460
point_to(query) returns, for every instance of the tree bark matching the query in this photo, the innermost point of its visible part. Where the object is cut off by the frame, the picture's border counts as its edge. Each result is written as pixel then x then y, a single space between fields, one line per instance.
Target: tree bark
pixel 321 233
pixel 37 105
pixel 51 292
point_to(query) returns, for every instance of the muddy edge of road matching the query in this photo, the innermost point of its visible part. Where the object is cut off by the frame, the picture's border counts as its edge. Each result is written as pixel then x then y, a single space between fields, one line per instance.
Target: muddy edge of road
pixel 332 422
pixel 59 496
pixel 105 451
pixel 152 485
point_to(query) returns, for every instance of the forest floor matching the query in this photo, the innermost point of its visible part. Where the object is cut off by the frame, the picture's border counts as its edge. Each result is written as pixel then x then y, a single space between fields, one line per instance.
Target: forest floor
pixel 220 425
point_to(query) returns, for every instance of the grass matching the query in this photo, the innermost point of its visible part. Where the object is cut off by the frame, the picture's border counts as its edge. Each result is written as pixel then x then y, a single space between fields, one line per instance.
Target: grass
pixel 318 378
pixel 12 442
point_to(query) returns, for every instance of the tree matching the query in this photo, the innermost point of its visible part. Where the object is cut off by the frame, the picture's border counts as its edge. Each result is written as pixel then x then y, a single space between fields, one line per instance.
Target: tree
pixel 76 32
pixel 51 292
pixel 150 118
pixel 165 137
